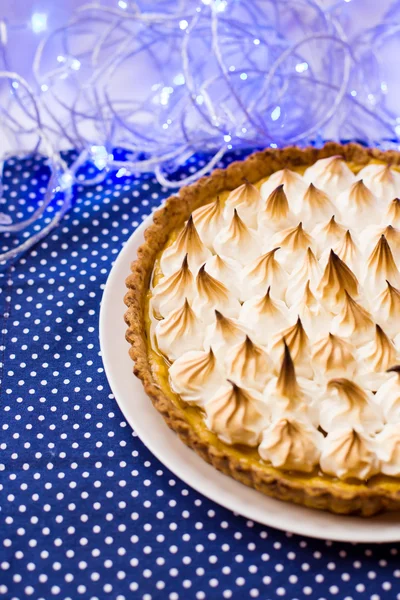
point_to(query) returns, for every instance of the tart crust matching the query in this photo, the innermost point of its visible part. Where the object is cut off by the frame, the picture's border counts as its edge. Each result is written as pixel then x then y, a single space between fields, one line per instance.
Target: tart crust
pixel 316 491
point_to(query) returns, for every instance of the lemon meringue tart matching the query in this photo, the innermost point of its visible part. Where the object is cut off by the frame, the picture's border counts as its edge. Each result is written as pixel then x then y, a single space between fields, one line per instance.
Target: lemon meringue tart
pixel 264 322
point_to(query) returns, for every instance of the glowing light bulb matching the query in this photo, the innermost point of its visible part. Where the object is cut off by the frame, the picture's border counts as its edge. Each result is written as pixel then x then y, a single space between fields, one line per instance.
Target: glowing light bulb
pixel 122 4
pixel 276 113
pixel 183 24
pixel 39 22
pixel 99 157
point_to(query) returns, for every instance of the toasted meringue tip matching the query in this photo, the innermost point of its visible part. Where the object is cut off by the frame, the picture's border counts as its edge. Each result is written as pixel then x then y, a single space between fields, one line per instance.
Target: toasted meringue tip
pixel 218 314
pixel 185 262
pixel 190 221
pixel 394 369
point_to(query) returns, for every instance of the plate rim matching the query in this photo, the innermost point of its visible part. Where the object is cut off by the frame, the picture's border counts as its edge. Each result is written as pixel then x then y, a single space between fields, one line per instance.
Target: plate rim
pixel 384 529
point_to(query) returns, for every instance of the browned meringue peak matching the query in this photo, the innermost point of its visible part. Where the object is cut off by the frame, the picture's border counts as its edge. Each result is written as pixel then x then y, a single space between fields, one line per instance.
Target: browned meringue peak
pixel 224 332
pixel 380 354
pixel 180 332
pixel 236 415
pixel 264 316
pixel 195 375
pixel 287 384
pixel 276 213
pixel 347 454
pixel 327 235
pixel 287 395
pixel 333 357
pixel 264 272
pixel 208 220
pixel 387 309
pixel 353 322
pixel 309 271
pixel 187 243
pixel 348 251
pixel 297 341
pixel 336 280
pixel 293 242
pixel 330 174
pixel 348 404
pixel 294 239
pixel 381 267
pixel 249 364
pixel 238 241
pixel 171 291
pixel 246 199
pixel 316 206
pixel 393 213
pixel 291 444
pixel 211 295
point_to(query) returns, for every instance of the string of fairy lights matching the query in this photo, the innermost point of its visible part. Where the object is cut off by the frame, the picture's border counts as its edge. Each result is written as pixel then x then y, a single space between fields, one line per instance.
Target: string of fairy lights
pixel 164 80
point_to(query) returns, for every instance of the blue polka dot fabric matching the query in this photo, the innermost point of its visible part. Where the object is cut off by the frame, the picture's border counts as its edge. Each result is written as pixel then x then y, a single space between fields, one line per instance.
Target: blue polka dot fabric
pixel 86 512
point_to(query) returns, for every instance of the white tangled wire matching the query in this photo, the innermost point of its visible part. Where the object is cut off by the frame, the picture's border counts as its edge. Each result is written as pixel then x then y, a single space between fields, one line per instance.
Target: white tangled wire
pixel 165 80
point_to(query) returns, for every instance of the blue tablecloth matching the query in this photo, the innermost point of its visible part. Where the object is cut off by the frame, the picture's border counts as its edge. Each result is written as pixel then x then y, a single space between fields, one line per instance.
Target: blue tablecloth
pixel 86 511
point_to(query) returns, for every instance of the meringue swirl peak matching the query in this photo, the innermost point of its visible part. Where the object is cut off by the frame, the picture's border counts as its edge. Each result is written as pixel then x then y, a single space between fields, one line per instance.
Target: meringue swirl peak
pixel 235 415
pixel 381 266
pixel 333 357
pixel 172 290
pixel 180 332
pixel 249 364
pixel 353 321
pixel 208 220
pixel 336 280
pixel 347 454
pixel 187 243
pixel 316 206
pixel 237 240
pixel 393 213
pixel 287 383
pixel 263 272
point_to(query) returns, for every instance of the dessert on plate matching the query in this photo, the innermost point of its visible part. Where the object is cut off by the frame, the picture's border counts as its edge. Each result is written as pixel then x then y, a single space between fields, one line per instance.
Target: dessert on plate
pixel 264 322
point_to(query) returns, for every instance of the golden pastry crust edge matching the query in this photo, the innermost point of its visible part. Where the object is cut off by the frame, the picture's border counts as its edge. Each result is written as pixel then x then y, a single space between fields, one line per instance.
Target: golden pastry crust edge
pixel 364 499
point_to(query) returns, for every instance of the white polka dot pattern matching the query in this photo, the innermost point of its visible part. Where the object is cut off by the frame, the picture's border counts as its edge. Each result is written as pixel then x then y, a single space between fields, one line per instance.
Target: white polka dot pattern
pixel 86 511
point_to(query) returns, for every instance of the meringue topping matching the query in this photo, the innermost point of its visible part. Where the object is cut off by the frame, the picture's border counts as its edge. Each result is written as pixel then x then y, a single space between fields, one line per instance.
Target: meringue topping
pixel 236 414
pixel 195 376
pixel 225 270
pixel 392 215
pixel 264 272
pixel 332 175
pixel 380 268
pixel 276 213
pixel 294 243
pixel 388 396
pixel 246 200
pixel 336 281
pixel 290 444
pixel 316 206
pixel 314 316
pixel 308 272
pixel 349 454
pixel 180 332
pixel 298 343
pixel 387 309
pixel 377 357
pixel 348 251
pixel 353 322
pixel 387 447
pixel 171 291
pixel 333 357
pixel 238 241
pixel 187 243
pixel 303 348
pixel 249 365
pixel 264 316
pixel 213 295
pixel 382 180
pixel 294 186
pixel 327 235
pixel 285 395
pixel 223 333
pixel 359 205
pixel 346 404
pixel 209 220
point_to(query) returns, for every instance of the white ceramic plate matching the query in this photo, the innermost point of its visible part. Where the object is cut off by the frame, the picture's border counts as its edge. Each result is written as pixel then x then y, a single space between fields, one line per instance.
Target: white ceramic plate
pixel 183 462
